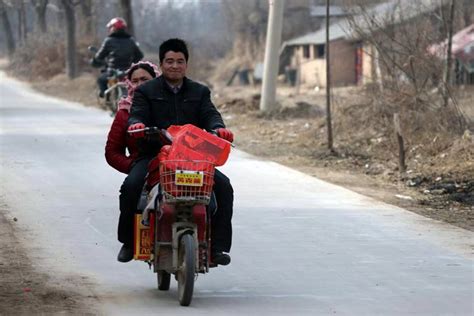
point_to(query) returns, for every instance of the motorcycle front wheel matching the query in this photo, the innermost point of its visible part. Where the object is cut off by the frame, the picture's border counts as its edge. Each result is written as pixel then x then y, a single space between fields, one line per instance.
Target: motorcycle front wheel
pixel 186 271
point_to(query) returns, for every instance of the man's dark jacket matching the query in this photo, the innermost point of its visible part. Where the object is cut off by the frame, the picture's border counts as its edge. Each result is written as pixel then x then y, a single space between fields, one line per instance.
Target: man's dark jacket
pixel 119 50
pixel 155 104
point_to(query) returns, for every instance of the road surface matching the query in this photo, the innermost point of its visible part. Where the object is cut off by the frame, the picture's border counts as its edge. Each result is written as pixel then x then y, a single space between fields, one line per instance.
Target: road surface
pixel 301 246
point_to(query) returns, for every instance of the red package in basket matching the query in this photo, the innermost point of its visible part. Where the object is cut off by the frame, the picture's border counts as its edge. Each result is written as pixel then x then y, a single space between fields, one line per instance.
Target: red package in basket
pixel 193 143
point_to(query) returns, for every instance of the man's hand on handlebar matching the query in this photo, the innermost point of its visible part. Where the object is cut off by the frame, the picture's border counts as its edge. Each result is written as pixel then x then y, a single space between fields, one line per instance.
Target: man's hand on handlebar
pixel 225 134
pixel 137 130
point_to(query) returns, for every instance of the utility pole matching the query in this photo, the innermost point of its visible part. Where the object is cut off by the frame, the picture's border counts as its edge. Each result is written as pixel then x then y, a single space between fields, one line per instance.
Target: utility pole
pixel 272 48
pixel 328 82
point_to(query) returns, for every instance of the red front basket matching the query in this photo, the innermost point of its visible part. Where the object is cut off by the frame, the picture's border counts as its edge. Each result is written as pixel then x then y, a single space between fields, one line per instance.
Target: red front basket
pixel 186 180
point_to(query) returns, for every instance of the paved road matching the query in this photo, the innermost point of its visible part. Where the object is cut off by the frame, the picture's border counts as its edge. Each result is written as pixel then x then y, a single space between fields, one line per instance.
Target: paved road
pixel 301 246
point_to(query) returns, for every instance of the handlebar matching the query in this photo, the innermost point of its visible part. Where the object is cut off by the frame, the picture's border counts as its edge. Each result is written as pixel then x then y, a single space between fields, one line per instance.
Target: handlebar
pixel 92 49
pixel 153 130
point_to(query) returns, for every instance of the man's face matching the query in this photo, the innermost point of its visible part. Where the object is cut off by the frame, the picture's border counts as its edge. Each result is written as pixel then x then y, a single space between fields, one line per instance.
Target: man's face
pixel 174 67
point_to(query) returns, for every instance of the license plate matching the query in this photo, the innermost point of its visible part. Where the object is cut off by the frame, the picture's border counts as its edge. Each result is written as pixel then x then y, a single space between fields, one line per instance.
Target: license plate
pixel 189 178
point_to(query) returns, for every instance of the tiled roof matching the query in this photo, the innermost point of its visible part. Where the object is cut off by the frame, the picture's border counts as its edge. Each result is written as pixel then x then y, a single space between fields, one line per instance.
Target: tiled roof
pixel 388 13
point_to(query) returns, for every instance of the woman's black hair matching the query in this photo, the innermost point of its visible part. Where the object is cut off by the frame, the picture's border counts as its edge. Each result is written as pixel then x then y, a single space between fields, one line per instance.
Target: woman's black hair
pixel 143 66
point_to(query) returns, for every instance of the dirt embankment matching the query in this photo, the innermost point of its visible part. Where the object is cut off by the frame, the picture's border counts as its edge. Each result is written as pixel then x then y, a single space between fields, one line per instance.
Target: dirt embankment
pixel 439 182
pixel 26 291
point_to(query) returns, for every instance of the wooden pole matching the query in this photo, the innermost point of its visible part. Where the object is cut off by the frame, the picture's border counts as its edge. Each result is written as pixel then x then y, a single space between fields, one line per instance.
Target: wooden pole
pixel 328 82
pixel 401 147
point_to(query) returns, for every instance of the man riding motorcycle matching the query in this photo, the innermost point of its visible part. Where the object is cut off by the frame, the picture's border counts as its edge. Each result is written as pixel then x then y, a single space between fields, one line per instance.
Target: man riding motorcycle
pixel 173 99
pixel 118 51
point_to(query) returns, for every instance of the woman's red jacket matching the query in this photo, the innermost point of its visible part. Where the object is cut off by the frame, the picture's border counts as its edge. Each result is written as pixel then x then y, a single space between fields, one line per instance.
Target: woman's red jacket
pixel 118 142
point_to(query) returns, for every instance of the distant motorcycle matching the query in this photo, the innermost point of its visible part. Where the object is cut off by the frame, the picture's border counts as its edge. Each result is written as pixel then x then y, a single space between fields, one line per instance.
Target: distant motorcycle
pixel 116 87
pixel 173 232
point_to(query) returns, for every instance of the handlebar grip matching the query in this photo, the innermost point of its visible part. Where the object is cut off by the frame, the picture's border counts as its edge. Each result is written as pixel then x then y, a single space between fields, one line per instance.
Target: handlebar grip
pixel 147 130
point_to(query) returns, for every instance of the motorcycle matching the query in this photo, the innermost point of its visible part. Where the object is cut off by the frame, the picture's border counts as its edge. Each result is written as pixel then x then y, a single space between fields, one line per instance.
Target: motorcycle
pixel 116 87
pixel 173 231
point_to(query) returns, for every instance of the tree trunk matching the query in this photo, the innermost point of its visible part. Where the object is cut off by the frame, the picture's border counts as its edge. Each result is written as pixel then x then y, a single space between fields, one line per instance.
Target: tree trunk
pixel 126 9
pixel 402 167
pixel 86 9
pixel 467 9
pixel 449 59
pixel 22 23
pixel 71 68
pixel 7 29
pixel 40 8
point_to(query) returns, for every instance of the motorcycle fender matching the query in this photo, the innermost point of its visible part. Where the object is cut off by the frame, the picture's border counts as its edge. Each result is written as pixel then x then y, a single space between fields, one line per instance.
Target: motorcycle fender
pixel 178 231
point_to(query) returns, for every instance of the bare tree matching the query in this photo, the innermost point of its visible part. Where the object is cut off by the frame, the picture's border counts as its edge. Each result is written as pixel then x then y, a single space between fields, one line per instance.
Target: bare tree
pixel 248 20
pixel 467 11
pixel 402 47
pixel 22 27
pixel 87 17
pixel 396 40
pixel 7 29
pixel 126 11
pixel 71 63
pixel 40 9
pixel 449 59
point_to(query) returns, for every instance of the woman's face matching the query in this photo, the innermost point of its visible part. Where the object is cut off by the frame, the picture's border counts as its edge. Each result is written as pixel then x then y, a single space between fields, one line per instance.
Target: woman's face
pixel 139 76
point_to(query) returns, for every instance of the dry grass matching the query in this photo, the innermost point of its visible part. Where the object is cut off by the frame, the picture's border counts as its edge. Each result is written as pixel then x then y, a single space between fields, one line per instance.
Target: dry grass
pixel 43 57
pixel 366 159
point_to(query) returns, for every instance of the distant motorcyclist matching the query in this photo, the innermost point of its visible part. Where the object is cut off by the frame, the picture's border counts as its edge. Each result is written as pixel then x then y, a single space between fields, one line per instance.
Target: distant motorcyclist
pixel 118 51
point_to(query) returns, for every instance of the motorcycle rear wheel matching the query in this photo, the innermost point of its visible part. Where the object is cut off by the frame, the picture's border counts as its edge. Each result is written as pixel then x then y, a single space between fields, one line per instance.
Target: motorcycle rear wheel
pixel 187 268
pixel 163 278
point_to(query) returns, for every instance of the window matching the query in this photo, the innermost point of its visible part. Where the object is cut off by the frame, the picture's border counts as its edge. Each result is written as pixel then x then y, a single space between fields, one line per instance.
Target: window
pixel 306 51
pixel 319 51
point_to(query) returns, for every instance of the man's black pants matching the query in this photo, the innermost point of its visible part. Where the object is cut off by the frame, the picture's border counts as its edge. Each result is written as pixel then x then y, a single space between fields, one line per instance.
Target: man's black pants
pixel 102 82
pixel 221 221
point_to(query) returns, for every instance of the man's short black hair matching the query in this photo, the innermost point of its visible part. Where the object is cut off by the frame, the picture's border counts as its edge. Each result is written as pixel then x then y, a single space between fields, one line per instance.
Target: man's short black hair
pixel 176 45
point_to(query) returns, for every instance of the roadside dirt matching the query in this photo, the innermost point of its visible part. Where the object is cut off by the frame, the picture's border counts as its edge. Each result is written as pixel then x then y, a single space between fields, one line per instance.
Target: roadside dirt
pixel 26 291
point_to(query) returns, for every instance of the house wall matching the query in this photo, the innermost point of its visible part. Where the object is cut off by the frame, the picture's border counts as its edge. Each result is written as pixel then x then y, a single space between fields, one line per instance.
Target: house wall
pixel 368 71
pixel 313 73
pixel 342 60
pixel 312 70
